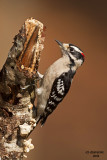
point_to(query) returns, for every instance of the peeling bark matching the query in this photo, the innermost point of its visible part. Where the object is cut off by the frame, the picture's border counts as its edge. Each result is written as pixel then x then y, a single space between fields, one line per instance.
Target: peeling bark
pixel 18 81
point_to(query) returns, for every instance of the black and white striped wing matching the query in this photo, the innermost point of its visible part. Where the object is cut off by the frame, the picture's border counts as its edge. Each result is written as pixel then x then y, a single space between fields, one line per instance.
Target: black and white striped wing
pixel 59 89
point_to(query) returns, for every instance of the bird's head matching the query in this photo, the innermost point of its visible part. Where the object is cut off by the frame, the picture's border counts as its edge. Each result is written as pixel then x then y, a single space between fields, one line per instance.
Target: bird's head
pixel 73 52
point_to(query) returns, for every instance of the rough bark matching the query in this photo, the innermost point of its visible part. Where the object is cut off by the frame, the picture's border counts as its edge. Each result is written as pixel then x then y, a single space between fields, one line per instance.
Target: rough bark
pixel 18 81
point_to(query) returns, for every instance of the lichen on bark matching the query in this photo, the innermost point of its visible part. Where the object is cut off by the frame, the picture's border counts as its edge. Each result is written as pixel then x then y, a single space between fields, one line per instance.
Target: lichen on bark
pixel 18 81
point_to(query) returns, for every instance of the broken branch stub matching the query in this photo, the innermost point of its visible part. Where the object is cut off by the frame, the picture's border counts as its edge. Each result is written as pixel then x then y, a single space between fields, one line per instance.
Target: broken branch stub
pixel 18 79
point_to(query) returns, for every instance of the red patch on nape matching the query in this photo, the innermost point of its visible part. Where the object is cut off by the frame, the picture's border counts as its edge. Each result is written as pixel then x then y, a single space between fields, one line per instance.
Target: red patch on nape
pixel 82 54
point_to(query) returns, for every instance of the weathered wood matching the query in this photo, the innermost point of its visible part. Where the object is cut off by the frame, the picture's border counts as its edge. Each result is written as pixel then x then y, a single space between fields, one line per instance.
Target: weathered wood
pixel 18 80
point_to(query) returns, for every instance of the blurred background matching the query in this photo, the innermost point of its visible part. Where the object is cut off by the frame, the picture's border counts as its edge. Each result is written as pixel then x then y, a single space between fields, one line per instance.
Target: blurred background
pixel 79 124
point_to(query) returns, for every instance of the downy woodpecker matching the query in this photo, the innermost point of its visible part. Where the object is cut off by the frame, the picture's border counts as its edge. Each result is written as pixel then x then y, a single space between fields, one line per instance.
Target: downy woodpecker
pixel 57 80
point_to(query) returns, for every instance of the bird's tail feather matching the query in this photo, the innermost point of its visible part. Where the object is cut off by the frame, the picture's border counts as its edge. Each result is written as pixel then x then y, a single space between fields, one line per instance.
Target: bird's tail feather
pixel 43 120
pixel 39 118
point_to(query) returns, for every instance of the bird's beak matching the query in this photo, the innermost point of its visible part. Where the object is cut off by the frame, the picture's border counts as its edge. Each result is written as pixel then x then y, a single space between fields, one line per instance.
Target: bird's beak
pixel 63 46
pixel 59 43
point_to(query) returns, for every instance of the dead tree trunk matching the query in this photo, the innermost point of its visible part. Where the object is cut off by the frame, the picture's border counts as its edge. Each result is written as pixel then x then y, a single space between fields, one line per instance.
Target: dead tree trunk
pixel 18 81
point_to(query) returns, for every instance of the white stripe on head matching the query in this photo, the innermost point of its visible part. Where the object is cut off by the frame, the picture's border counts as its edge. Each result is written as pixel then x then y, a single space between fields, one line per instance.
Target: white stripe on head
pixel 77 49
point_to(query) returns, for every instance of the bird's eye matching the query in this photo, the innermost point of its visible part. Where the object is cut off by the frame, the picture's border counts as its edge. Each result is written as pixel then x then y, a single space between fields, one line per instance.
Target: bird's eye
pixel 71 49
